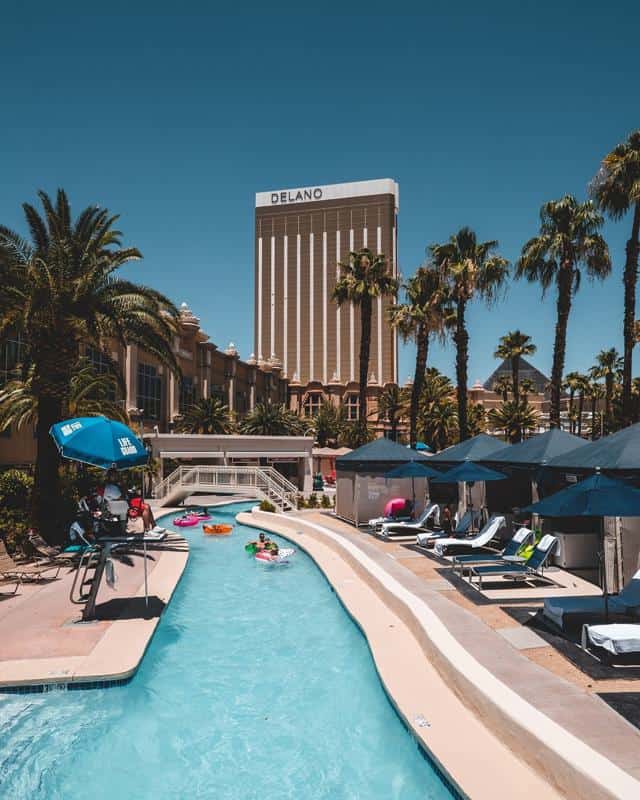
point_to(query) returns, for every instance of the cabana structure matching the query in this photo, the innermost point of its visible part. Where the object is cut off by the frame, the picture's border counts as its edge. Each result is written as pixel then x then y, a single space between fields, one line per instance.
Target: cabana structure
pixel 618 456
pixel 362 491
pixel 525 464
pixel 478 448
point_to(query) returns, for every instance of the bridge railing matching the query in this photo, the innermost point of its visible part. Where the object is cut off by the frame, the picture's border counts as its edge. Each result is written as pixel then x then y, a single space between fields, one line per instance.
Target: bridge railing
pixel 265 481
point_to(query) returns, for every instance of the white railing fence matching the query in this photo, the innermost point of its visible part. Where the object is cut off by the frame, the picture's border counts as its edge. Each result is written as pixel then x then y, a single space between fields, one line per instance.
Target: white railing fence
pixel 262 482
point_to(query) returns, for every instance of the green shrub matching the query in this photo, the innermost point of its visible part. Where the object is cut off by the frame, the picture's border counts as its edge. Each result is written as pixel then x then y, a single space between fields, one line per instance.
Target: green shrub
pixel 15 489
pixel 325 502
pixel 265 505
pixel 300 501
pixel 312 502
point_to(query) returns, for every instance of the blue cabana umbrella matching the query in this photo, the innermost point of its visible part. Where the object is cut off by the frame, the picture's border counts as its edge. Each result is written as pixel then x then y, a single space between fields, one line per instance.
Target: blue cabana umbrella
pixel 99 441
pixel 422 447
pixel 596 496
pixel 413 469
pixel 469 472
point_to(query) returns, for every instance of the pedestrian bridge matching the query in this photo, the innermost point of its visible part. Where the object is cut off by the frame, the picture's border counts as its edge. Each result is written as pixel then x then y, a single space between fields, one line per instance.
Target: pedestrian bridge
pixel 262 483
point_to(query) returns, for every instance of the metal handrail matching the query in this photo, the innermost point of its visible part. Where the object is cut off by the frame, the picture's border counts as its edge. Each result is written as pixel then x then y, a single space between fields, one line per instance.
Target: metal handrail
pixel 266 481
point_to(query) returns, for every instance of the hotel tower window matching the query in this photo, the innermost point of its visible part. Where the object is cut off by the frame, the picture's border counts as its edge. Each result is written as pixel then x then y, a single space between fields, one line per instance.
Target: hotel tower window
pixel 352 405
pixel 149 391
pixel 187 394
pixel 312 403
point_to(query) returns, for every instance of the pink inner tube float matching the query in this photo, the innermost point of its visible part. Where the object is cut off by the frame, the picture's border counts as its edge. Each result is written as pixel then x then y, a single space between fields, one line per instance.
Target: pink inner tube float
pixel 266 557
pixel 186 522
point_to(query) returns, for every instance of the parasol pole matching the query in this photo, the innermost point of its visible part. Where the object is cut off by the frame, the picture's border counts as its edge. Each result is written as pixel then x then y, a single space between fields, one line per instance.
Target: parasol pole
pixel 144 538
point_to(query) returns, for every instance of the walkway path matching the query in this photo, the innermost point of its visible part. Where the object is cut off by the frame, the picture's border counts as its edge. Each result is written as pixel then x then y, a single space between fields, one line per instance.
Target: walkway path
pixel 42 640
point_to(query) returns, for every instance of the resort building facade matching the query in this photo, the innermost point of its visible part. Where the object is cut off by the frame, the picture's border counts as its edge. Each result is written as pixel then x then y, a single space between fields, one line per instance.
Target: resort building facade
pixel 300 237
pixel 152 396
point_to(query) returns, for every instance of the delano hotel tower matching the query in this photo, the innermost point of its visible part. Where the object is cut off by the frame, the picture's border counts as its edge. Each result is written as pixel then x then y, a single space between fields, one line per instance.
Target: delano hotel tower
pixel 301 235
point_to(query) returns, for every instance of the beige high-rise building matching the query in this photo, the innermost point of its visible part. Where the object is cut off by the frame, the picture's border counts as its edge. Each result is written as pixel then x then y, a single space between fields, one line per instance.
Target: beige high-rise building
pixel 301 235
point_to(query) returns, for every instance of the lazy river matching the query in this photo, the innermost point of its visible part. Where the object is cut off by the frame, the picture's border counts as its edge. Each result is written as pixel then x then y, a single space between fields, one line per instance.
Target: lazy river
pixel 256 685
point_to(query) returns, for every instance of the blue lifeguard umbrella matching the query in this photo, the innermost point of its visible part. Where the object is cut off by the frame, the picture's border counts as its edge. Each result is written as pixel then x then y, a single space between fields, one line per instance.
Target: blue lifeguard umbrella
pixel 100 442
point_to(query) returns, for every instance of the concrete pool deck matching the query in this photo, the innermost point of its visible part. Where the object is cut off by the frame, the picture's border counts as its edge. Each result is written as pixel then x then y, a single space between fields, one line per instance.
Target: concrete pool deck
pixel 42 640
pixel 524 720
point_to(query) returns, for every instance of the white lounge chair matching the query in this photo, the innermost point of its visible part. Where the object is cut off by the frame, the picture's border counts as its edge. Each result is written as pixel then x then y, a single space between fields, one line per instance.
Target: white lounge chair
pixel 442 546
pixel 432 511
pixel 377 522
pixel 468 519
pixel 560 610
pixel 616 639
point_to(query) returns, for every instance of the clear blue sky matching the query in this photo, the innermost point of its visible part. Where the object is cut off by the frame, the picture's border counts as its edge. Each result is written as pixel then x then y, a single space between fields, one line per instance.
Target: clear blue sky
pixel 174 117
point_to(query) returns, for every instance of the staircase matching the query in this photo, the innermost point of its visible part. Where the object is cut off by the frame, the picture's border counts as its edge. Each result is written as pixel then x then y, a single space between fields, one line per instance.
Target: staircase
pixel 263 483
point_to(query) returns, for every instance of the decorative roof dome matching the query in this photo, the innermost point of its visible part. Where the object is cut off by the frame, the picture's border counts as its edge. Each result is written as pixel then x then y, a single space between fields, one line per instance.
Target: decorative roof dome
pixel 187 317
pixel 252 361
pixel 231 350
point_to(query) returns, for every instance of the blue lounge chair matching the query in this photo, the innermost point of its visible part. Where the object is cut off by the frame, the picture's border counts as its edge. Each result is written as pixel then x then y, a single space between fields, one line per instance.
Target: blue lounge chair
pixel 467 521
pixel 532 568
pixel 509 554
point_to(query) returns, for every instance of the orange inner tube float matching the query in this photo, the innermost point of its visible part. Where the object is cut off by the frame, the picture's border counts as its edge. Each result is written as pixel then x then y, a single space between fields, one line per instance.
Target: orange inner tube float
pixel 218 529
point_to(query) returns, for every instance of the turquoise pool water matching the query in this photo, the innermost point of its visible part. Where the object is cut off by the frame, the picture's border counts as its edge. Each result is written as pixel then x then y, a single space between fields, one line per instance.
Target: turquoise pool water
pixel 257 685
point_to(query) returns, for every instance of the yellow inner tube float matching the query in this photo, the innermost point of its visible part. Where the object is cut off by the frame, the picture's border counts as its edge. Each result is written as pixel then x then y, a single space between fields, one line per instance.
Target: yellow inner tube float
pixel 218 529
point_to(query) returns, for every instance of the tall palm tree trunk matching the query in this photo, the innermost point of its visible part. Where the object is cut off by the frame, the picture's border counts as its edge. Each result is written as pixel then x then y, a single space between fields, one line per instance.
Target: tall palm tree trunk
pixel 608 398
pixel 422 354
pixel 572 395
pixel 515 377
pixel 630 280
pixel 565 281
pixel 365 348
pixel 46 485
pixel 461 338
pixel 580 410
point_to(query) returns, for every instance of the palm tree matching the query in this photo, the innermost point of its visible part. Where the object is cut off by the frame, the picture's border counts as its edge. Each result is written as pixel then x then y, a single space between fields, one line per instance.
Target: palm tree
pixel 471 269
pixel 328 423
pixel 61 289
pixel 364 277
pixel 426 312
pixel 438 415
pixel 583 392
pixel 502 386
pixel 476 419
pixel 572 382
pixel 91 394
pixel 514 419
pixel 608 366
pixel 595 392
pixel 616 190
pixel 272 419
pixel 208 415
pixel 568 239
pixel 527 386
pixel 392 407
pixel 513 347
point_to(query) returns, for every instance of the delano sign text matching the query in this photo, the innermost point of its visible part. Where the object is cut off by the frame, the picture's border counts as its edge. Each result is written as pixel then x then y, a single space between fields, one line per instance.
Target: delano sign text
pixel 299 196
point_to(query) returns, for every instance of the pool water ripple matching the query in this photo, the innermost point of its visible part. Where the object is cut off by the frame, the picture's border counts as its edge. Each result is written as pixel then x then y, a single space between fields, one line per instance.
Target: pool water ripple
pixel 257 684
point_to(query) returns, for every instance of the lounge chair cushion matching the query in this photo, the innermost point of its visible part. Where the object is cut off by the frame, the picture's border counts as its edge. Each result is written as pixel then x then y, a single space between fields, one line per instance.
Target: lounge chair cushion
pixel 481 540
pixel 558 608
pixel 616 638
